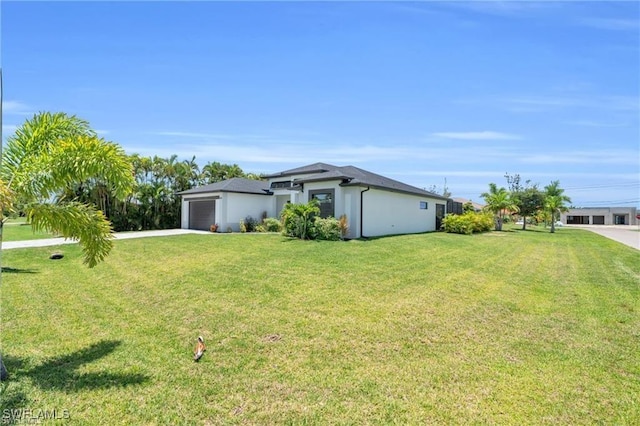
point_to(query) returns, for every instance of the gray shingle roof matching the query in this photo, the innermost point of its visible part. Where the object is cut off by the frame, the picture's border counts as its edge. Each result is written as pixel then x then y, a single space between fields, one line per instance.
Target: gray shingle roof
pixel 355 176
pixel 242 185
pixel 317 172
pixel 311 168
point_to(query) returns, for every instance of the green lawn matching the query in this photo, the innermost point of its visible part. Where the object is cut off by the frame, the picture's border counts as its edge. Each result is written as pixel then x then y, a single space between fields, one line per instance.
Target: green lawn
pixel 19 230
pixel 501 328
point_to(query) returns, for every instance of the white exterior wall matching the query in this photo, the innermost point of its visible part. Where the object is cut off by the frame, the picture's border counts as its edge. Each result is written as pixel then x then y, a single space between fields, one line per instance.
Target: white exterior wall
pixel 388 213
pixel 351 207
pixel 239 206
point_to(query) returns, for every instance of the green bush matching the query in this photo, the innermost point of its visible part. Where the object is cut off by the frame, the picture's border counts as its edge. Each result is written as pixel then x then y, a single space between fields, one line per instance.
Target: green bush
pixel 468 223
pixel 250 223
pixel 298 219
pixel 327 229
pixel 271 224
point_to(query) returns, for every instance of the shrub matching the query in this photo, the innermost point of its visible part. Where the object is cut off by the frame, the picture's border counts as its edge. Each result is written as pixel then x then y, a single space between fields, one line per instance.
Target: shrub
pixel 298 219
pixel 250 224
pixel 468 223
pixel 327 229
pixel 271 224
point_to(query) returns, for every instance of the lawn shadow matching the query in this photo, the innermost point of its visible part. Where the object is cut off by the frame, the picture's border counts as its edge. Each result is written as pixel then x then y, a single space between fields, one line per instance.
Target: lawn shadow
pixel 60 373
pixel 7 270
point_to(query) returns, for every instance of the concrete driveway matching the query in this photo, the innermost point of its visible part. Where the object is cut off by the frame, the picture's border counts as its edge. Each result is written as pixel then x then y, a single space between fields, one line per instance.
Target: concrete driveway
pixel 625 234
pixel 118 236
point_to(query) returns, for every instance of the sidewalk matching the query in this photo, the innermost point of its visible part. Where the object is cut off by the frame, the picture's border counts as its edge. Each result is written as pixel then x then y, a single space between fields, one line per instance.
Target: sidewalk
pixel 45 242
pixel 625 234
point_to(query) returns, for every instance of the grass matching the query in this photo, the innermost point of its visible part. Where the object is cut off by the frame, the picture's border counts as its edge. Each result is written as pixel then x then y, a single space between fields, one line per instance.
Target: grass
pixel 20 230
pixel 501 328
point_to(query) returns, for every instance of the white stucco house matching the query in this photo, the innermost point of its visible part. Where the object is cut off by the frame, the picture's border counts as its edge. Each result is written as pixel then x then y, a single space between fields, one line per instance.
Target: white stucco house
pixel 600 216
pixel 373 204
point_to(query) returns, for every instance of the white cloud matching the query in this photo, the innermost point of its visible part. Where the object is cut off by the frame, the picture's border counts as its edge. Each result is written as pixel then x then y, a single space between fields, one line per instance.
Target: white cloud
pixel 543 103
pixel 15 107
pixel 618 157
pixel 8 129
pixel 101 132
pixel 611 24
pixel 192 135
pixel 483 135
pixel 592 123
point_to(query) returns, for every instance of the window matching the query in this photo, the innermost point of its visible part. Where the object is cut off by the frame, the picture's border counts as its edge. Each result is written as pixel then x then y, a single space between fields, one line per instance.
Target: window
pixel 424 205
pixel 281 184
pixel 325 199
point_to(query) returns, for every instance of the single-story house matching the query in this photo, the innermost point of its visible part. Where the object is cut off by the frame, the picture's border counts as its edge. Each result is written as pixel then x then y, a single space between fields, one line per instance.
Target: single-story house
pixel 477 207
pixel 600 216
pixel 374 205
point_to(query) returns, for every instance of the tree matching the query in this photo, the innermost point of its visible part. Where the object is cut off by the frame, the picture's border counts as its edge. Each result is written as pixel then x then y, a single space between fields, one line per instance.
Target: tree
pixel 445 190
pixel 498 201
pixel 216 172
pixel 529 202
pixel 528 198
pixel 555 201
pixel 45 157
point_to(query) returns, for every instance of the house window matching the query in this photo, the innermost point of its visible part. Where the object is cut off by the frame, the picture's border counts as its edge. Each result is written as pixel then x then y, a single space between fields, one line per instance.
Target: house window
pixel 325 198
pixel 281 184
pixel 424 205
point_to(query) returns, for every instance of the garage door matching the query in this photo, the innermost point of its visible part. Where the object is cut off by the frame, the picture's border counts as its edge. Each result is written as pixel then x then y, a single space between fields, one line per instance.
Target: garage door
pixel 202 214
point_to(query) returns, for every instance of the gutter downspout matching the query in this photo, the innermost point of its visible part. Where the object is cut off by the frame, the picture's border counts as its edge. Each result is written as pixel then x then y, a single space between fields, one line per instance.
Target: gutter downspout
pixel 362 210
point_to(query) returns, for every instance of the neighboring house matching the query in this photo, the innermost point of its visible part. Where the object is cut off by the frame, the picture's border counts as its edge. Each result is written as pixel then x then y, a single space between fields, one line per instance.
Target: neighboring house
pixel 477 207
pixel 374 205
pixel 600 216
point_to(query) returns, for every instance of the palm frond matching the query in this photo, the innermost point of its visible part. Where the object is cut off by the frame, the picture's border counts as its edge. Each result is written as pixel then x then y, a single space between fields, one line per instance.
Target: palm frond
pixel 76 221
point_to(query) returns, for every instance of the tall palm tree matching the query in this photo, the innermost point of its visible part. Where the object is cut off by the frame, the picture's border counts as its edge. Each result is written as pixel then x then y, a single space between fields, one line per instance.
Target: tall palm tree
pixel 555 201
pixel 46 156
pixel 498 201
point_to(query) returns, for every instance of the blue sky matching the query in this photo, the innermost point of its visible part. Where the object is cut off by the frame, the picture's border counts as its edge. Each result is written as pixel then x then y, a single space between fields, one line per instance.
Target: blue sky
pixel 416 91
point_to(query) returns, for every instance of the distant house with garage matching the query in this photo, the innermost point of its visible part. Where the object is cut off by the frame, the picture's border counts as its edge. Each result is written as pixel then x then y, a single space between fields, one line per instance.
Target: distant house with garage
pixel 600 216
pixel 373 204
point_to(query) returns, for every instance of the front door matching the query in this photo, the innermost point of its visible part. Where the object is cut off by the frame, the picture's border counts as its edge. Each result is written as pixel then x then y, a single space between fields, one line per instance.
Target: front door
pixel 440 210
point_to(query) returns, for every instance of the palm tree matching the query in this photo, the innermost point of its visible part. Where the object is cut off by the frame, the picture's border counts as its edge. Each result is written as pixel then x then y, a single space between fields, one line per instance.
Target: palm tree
pixel 498 201
pixel 555 201
pixel 46 156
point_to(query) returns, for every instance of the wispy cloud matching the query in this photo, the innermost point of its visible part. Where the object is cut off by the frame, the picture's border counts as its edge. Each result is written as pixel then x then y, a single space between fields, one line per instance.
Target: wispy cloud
pixel 192 135
pixel 8 129
pixel 611 24
pixel 508 8
pixel 528 174
pixel 545 103
pixel 593 123
pixel 15 107
pixel 269 152
pixel 477 136
pixel 595 157
pixel 102 132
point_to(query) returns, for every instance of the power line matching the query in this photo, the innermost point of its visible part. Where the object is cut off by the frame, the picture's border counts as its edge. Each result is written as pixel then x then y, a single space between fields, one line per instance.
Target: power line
pixel 619 185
